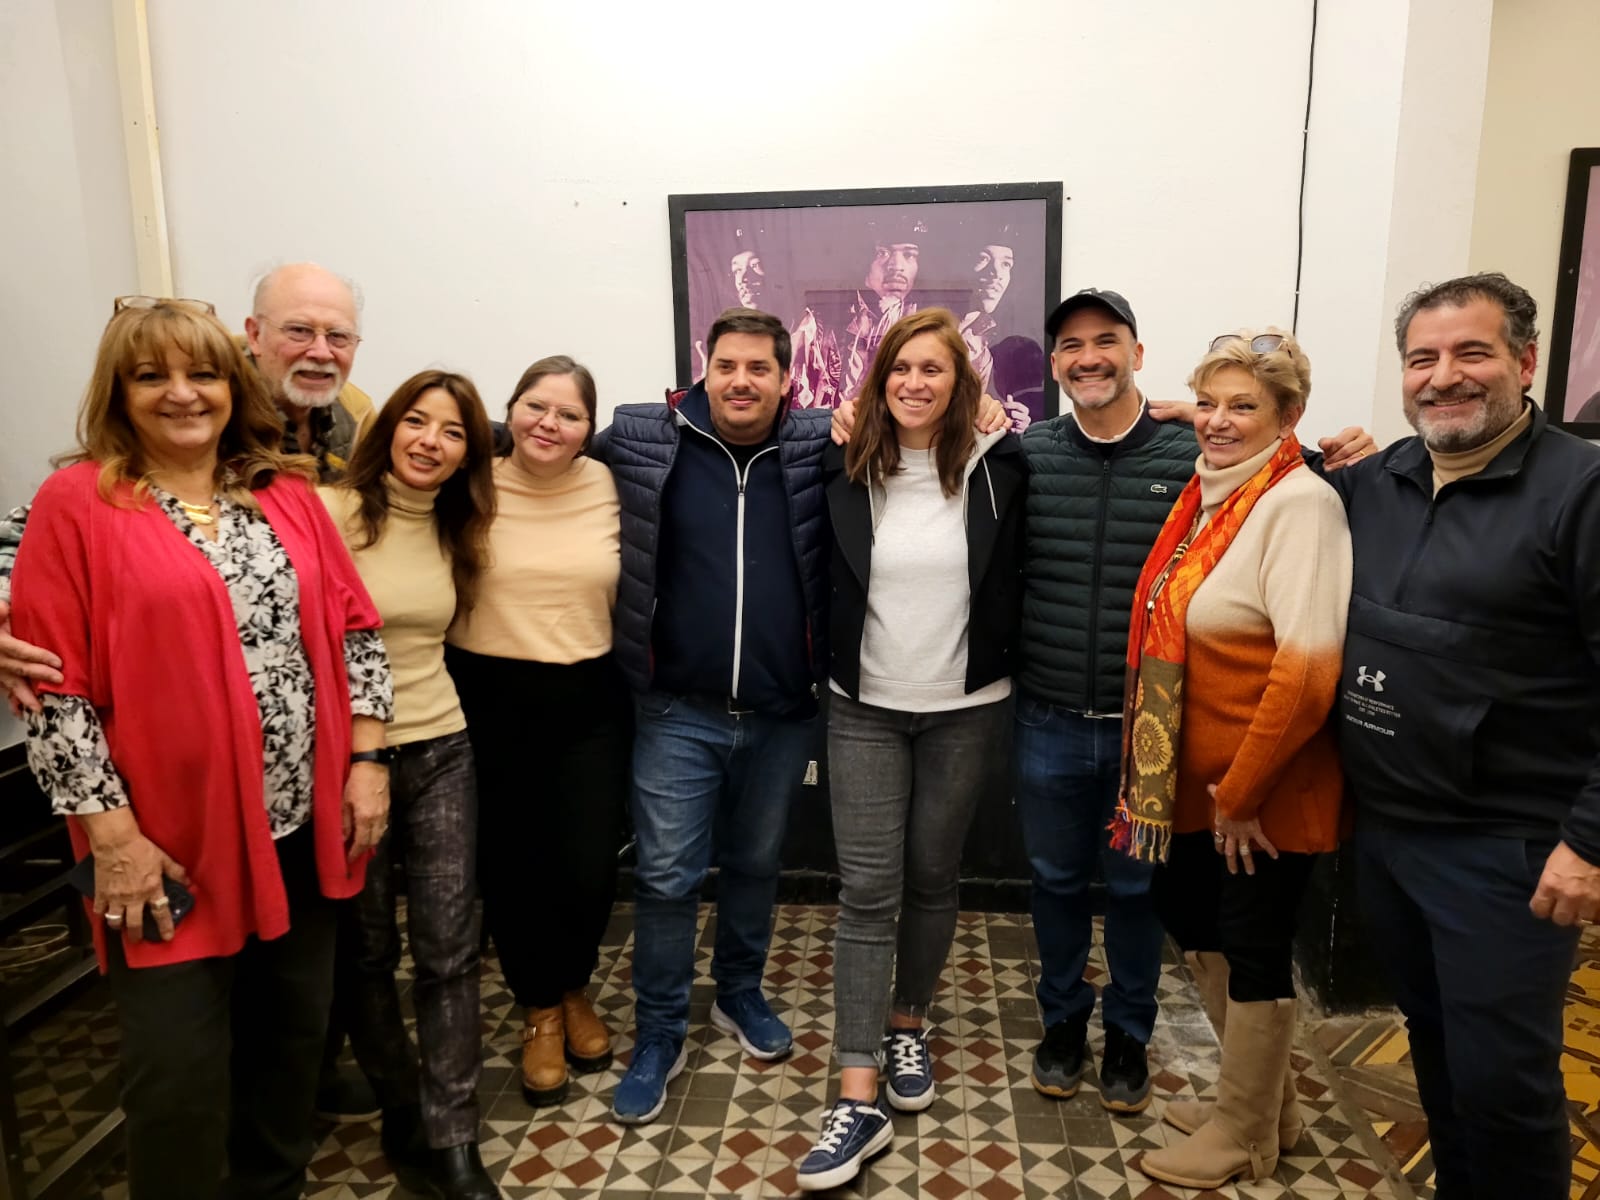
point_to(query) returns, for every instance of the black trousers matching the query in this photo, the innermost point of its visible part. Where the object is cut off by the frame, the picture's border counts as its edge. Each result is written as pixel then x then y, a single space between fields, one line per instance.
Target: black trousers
pixel 552 744
pixel 220 1055
pixel 1482 983
pixel 1249 919
pixel 433 837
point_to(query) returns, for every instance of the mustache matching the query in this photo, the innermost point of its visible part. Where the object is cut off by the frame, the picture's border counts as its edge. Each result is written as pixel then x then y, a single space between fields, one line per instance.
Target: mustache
pixel 1464 390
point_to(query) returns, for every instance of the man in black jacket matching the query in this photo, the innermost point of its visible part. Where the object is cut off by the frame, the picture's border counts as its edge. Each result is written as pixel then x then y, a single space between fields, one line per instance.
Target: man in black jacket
pixel 1102 480
pixel 720 628
pixel 1469 719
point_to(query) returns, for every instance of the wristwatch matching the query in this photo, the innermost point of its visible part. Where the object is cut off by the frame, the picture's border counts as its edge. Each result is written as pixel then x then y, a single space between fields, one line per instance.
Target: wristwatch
pixel 385 756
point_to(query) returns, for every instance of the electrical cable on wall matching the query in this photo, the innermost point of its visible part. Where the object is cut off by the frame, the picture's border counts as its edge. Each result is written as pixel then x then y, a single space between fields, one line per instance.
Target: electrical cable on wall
pixel 1305 145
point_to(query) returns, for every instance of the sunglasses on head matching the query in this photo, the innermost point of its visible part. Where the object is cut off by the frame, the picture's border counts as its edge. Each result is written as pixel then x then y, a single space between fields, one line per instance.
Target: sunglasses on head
pixel 204 307
pixel 1262 343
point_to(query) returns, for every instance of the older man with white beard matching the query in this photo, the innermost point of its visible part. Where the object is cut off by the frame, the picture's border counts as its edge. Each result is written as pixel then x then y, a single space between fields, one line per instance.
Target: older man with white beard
pixel 302 336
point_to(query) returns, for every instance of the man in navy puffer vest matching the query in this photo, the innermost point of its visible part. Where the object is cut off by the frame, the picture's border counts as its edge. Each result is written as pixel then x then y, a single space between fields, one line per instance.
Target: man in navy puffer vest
pixel 719 630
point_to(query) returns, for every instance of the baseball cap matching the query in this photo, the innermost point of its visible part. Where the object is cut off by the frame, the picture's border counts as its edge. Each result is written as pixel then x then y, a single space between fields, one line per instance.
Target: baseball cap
pixel 1113 302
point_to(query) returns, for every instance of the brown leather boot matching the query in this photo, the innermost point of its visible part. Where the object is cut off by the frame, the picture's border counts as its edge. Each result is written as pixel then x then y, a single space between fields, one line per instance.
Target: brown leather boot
pixel 1210 971
pixel 1241 1138
pixel 588 1040
pixel 544 1062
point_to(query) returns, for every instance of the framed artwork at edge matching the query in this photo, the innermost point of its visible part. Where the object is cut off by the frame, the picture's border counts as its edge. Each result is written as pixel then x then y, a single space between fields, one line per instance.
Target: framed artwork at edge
pixel 1572 383
pixel 840 267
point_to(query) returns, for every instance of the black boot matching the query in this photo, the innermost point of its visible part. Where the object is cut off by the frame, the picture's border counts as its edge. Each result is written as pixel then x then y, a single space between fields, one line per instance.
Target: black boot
pixel 458 1174
pixel 405 1145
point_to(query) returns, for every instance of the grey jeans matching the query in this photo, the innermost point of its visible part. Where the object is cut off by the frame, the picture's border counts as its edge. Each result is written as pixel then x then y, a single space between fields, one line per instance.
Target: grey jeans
pixel 904 788
pixel 433 828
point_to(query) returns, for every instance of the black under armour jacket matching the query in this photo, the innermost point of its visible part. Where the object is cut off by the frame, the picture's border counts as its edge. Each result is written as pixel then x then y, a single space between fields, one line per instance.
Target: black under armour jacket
pixel 1471 689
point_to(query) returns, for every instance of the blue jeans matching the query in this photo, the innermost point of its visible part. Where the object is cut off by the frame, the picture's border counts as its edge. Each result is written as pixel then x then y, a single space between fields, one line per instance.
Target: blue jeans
pixel 707 786
pixel 1482 983
pixel 1067 769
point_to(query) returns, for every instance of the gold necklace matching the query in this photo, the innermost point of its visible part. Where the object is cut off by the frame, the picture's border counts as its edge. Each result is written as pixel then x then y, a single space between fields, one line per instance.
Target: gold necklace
pixel 200 514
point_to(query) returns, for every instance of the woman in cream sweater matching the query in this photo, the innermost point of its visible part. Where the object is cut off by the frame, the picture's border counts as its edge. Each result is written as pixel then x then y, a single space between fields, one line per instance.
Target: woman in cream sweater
pixel 1231 778
pixel 414 510
pixel 550 718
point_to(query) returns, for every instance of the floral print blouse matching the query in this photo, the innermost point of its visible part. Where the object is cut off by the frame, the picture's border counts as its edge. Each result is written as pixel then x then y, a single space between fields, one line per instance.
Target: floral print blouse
pixel 67 748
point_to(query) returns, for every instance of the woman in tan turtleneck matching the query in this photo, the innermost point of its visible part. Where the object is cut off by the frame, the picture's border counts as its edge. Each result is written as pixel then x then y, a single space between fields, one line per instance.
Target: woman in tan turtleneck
pixel 1231 779
pixel 414 510
pixel 550 719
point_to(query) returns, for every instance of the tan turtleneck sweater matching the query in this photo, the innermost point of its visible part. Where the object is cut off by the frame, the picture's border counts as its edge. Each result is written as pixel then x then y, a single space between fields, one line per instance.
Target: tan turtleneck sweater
pixel 408 576
pixel 1261 670
pixel 555 555
pixel 1447 468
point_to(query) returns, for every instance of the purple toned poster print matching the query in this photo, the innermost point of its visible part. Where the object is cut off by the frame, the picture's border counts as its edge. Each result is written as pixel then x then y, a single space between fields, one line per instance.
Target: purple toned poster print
pixel 839 276
pixel 1583 365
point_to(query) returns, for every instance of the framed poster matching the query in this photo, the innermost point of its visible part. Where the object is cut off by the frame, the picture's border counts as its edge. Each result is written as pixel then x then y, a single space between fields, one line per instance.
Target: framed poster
pixel 839 267
pixel 1572 383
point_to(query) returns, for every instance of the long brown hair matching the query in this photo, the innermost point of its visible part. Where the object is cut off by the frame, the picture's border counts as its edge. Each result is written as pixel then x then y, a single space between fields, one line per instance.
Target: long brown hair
pixel 465 504
pixel 874 450
pixel 249 451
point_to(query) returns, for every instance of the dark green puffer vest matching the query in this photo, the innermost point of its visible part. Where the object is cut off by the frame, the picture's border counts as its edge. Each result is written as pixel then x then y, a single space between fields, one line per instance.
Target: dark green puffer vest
pixel 1094 511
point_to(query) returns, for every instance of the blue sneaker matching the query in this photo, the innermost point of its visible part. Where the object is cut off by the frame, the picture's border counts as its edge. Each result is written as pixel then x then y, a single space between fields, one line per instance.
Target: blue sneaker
pixel 639 1098
pixel 852 1132
pixel 749 1017
pixel 910 1069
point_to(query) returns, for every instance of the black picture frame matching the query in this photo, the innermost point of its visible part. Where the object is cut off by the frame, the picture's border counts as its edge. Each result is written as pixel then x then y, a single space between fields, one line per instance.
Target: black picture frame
pixel 1575 322
pixel 1025 313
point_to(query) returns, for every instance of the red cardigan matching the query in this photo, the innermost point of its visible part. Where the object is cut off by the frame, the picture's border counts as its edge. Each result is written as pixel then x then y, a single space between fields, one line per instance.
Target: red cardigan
pixel 146 632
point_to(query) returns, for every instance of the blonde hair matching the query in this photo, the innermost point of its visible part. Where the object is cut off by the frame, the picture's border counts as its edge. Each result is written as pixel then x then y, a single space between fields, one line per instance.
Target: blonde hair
pixel 1285 372
pixel 249 451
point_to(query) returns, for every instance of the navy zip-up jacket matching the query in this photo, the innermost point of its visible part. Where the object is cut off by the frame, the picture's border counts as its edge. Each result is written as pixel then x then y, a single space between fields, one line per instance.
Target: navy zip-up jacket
pixel 724 569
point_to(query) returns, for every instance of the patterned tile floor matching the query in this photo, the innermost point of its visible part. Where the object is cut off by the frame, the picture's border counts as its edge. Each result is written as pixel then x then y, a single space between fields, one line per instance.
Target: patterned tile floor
pixel 1371 1060
pixel 735 1127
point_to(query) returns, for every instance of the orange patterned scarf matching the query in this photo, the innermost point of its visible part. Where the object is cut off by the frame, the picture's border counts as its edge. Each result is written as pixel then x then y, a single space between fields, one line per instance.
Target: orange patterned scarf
pixel 1153 704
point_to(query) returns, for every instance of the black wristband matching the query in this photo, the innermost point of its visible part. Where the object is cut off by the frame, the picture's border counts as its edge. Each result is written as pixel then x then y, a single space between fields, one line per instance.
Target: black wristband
pixel 384 756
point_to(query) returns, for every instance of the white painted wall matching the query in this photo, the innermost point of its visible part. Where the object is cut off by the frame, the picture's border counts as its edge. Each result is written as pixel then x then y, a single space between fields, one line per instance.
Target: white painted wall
pixel 1390 185
pixel 495 173
pixel 1543 102
pixel 65 239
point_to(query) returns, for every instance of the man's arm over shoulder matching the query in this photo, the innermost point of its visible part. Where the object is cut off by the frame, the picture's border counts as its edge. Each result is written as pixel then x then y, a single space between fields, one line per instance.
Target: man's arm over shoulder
pixel 1578 534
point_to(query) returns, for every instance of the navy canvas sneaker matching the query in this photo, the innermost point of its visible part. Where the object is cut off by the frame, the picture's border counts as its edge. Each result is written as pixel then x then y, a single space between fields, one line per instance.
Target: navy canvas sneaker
pixel 639 1098
pixel 852 1132
pixel 749 1017
pixel 910 1069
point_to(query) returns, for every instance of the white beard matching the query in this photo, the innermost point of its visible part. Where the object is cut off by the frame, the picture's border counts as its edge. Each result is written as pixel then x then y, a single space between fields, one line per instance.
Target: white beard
pixel 302 398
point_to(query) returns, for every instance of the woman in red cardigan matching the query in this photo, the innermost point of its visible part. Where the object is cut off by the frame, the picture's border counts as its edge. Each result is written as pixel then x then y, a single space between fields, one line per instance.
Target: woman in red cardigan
pixel 219 724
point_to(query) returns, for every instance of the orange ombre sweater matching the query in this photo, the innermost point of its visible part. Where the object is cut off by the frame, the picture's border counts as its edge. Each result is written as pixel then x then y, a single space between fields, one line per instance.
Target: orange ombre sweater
pixel 1265 637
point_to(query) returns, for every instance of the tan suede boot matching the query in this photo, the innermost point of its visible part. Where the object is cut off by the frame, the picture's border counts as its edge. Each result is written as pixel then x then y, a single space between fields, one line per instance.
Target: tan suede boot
pixel 588 1040
pixel 544 1060
pixel 1241 1138
pixel 1210 971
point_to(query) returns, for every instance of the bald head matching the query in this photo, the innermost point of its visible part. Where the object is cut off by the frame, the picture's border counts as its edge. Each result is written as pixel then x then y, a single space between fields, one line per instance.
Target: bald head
pixel 297 308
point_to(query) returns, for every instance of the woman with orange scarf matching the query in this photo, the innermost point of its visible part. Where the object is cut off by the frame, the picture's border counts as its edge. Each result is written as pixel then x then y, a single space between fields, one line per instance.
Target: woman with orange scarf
pixel 1231 778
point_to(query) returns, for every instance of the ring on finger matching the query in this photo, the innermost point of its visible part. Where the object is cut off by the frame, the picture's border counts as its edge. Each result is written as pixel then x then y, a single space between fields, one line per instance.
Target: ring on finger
pixel 160 902
pixel 113 918
pixel 1245 849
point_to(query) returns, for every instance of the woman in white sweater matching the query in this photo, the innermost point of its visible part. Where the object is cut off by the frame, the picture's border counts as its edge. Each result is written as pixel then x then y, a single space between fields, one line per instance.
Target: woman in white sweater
pixel 926 587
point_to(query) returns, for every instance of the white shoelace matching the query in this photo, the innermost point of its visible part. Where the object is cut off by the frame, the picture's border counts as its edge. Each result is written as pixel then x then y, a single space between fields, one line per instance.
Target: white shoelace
pixel 838 1127
pixel 907 1051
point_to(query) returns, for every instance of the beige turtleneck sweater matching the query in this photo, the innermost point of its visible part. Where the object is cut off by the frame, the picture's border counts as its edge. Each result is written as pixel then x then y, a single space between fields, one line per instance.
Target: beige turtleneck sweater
pixel 1447 468
pixel 555 555
pixel 408 576
pixel 1265 642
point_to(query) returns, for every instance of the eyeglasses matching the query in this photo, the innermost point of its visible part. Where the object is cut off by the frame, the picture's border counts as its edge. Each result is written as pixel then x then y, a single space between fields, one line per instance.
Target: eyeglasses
pixel 567 418
pixel 300 334
pixel 1262 343
pixel 204 307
